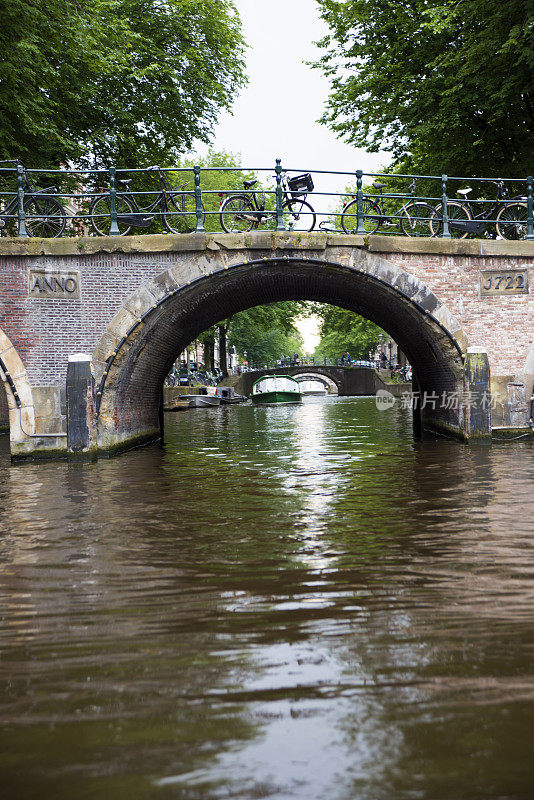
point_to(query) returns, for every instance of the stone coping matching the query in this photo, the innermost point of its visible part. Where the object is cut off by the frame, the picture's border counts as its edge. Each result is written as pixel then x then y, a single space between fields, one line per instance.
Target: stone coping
pixel 260 240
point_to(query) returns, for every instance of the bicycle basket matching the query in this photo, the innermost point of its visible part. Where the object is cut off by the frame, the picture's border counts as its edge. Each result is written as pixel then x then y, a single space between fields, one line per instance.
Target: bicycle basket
pixel 300 184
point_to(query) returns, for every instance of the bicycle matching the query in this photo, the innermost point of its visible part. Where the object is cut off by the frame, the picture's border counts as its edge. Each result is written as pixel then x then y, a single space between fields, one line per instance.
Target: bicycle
pixel 412 218
pixel 45 216
pixel 241 212
pixel 508 216
pixel 174 205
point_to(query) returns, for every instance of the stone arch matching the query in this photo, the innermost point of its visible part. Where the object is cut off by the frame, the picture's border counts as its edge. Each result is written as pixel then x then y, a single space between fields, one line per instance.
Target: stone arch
pixel 164 315
pixel 327 381
pixel 17 391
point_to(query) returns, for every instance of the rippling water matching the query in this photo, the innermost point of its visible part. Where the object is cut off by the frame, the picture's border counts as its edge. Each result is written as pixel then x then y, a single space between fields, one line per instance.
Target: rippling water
pixel 283 602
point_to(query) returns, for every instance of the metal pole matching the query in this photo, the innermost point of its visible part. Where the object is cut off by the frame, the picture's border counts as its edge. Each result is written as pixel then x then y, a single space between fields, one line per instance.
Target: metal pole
pixel 360 229
pixel 21 214
pixel 114 228
pixel 446 234
pixel 530 215
pixel 198 201
pixel 279 196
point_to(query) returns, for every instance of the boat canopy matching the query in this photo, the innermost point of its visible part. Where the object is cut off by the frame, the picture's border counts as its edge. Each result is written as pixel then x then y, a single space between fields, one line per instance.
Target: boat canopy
pixel 311 386
pixel 275 383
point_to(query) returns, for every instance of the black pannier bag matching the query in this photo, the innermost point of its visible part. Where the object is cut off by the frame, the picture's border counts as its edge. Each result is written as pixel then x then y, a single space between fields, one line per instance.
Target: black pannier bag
pixel 300 184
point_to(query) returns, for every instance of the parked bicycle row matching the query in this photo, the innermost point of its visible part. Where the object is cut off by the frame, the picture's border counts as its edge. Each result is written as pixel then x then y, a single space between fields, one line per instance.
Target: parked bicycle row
pixel 107 204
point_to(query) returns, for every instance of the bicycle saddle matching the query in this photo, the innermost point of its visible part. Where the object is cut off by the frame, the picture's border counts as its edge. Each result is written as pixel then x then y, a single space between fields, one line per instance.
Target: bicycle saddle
pixel 465 192
pixel 378 185
pixel 124 181
pixel 249 184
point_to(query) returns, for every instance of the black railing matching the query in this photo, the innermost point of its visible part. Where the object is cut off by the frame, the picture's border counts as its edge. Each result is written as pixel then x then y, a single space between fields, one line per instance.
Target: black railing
pixel 304 361
pixel 237 200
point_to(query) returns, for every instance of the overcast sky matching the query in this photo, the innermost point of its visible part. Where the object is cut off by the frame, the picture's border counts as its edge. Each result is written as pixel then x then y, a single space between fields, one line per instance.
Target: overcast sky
pixel 276 115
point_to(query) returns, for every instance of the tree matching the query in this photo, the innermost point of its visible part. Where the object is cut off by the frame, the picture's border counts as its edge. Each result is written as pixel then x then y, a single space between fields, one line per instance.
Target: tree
pixel 215 183
pixel 444 85
pixel 343 332
pixel 125 81
pixel 267 332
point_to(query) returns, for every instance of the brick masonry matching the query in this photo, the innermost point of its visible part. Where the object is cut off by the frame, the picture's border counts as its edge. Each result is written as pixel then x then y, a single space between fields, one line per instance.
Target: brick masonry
pixel 119 281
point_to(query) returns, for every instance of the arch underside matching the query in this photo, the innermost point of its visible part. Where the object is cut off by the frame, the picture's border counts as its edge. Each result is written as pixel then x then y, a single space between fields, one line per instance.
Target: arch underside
pixel 130 400
pixel 4 409
pixel 17 392
pixel 309 374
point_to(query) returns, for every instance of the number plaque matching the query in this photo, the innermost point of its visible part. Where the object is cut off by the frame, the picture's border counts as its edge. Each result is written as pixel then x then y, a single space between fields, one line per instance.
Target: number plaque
pixel 509 281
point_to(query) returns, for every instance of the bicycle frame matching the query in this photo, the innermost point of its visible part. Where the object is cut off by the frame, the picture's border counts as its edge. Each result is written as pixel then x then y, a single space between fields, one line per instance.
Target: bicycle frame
pixel 393 219
pixel 260 214
pixel 158 206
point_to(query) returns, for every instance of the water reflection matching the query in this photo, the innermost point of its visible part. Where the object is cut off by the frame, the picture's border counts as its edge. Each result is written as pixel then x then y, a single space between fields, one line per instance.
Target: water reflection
pixel 282 602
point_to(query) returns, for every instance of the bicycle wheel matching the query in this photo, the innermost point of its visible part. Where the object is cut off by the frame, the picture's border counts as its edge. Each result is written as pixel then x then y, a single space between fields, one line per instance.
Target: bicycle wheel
pixel 45 217
pixel 238 214
pixel 181 216
pixel 371 216
pixel 100 212
pixel 512 221
pixel 415 219
pixel 298 215
pixel 456 212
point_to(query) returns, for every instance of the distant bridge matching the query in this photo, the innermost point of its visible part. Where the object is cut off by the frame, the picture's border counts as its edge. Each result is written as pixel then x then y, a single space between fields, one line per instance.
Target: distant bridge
pixel 350 381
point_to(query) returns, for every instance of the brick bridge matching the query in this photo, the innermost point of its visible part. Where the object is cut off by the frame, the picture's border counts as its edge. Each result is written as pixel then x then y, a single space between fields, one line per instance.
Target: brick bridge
pixel 349 381
pixel 130 305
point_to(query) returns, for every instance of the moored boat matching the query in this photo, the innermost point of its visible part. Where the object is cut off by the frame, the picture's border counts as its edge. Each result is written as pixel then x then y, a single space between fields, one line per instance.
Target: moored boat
pixel 228 395
pixel 276 389
pixel 203 399
pixel 310 386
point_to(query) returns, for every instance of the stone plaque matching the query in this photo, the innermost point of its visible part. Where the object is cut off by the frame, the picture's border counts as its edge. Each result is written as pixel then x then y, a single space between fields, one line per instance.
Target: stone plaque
pixel 54 285
pixel 505 281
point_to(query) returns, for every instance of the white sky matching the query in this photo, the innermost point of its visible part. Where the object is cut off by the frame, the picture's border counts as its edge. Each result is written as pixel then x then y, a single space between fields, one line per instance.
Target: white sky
pixel 275 115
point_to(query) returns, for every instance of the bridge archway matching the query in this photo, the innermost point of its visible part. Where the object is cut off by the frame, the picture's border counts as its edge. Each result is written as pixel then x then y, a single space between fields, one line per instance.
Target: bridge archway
pixel 165 315
pixel 16 400
pixel 329 384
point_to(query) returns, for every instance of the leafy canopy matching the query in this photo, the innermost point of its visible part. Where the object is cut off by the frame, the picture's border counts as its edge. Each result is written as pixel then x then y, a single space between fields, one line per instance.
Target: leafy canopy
pixel 343 332
pixel 443 85
pixel 267 332
pixel 124 81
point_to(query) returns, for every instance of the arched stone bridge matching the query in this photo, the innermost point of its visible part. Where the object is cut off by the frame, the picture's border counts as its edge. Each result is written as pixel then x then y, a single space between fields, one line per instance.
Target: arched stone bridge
pixel 350 381
pixel 132 304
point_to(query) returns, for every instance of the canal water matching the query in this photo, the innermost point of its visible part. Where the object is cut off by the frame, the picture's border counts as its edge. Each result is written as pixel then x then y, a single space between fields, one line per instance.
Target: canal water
pixel 282 602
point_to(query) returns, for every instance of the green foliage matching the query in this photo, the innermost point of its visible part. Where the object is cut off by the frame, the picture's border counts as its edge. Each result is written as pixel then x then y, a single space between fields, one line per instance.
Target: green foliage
pixel 343 332
pixel 444 85
pixel 267 332
pixel 214 183
pixel 124 81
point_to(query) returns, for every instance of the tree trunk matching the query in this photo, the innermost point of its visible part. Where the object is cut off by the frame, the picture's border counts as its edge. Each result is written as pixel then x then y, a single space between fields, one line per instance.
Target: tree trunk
pixel 223 359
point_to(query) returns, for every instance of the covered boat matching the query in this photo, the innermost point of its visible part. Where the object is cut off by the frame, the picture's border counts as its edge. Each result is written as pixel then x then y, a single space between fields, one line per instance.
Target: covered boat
pixel 311 386
pixel 276 389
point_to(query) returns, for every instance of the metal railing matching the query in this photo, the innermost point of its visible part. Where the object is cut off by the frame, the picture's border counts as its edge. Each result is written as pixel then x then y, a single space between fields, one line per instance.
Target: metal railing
pixel 291 363
pixel 216 199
